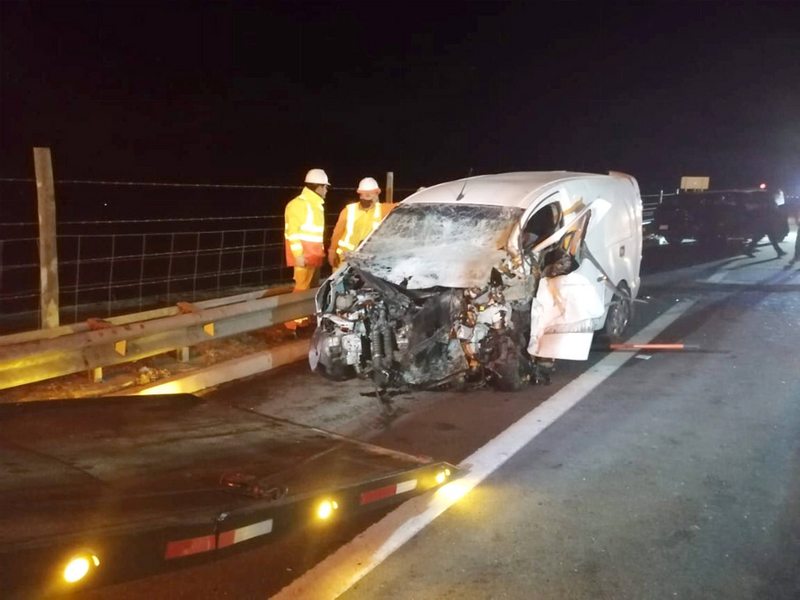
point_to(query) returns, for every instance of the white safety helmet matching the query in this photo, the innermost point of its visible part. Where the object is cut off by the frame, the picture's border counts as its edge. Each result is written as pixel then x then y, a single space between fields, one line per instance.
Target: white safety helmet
pixel 317 177
pixel 368 184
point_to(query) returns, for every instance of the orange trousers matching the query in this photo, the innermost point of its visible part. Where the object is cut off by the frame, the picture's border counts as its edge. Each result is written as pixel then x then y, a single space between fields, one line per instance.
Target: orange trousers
pixel 304 278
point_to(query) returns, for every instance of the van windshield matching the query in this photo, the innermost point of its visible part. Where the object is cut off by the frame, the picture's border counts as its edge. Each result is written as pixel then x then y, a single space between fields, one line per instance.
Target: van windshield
pixel 434 225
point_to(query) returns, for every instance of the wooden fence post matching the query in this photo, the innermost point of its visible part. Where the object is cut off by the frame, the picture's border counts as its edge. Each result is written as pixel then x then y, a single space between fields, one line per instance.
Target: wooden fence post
pixel 48 254
pixel 390 186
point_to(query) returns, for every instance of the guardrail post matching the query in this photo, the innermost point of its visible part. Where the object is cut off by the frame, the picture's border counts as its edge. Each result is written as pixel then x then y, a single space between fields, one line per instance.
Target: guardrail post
pixel 182 354
pixel 48 255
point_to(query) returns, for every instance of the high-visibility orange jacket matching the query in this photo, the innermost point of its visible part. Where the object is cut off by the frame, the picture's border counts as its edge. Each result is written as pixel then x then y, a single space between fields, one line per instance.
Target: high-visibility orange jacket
pixel 355 223
pixel 304 226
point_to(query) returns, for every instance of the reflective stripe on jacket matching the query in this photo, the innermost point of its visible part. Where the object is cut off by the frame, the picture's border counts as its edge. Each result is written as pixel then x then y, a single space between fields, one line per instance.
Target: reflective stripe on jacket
pixel 304 226
pixel 356 223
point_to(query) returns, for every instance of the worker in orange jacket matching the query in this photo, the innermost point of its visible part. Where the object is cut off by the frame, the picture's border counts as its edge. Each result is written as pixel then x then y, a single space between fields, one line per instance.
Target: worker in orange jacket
pixel 357 220
pixel 304 226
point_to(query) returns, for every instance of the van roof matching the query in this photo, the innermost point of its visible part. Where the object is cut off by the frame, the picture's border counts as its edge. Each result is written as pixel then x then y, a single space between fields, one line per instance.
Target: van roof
pixel 503 189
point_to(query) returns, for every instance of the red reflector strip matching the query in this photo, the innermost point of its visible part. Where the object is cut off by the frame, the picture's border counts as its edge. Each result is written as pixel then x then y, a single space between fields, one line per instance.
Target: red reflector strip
pixel 241 534
pixel 190 546
pixel 388 491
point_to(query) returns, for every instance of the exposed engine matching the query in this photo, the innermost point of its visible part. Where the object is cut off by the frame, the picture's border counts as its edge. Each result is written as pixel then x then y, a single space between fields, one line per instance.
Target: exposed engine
pixel 424 338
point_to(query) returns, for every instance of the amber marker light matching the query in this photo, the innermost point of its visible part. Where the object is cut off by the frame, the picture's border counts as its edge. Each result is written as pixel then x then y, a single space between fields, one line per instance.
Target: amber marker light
pixel 442 476
pixel 326 508
pixel 79 566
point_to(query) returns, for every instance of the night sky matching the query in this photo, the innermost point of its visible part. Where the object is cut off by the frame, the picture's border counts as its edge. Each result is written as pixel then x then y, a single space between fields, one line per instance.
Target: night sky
pixel 258 92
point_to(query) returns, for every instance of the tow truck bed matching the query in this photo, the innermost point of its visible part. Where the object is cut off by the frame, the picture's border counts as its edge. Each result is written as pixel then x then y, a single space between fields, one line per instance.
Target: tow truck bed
pixel 142 481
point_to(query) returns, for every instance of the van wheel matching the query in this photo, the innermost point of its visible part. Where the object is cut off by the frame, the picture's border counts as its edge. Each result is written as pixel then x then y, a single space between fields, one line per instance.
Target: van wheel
pixel 510 376
pixel 336 372
pixel 619 315
pixel 510 370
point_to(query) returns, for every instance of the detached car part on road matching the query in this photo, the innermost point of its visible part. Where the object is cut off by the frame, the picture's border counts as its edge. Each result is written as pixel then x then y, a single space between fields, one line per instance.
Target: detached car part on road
pixel 484 279
pixel 96 490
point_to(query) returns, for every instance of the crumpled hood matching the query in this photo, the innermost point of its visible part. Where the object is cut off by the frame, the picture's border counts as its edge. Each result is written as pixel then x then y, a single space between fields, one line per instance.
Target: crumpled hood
pixel 450 265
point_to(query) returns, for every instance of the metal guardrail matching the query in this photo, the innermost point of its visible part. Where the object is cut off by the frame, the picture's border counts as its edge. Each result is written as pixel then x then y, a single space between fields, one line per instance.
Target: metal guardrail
pixel 156 313
pixel 38 357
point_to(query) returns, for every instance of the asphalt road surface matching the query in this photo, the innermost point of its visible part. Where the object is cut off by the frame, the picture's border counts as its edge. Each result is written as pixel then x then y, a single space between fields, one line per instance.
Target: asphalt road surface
pixel 677 476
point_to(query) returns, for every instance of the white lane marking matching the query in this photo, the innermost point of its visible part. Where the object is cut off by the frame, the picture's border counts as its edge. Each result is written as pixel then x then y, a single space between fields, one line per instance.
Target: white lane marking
pixel 717 277
pixel 353 561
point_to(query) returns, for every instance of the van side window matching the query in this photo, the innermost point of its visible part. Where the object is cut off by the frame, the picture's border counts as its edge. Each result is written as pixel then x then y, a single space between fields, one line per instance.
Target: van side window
pixel 565 257
pixel 541 224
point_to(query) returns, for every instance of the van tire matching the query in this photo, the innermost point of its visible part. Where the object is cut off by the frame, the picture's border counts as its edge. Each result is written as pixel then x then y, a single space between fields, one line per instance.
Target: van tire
pixel 510 376
pixel 620 314
pixel 336 372
pixel 510 370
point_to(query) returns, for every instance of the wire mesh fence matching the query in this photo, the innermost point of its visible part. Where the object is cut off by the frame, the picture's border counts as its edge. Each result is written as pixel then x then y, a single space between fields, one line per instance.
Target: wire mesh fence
pixel 136 270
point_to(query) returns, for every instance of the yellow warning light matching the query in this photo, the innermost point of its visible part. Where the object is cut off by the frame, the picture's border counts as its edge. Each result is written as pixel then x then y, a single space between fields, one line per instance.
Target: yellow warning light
pixel 326 508
pixel 78 567
pixel 442 476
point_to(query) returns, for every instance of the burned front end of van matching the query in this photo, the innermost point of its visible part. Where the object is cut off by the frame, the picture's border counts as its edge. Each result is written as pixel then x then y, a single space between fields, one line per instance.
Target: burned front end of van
pixel 432 298
pixel 487 279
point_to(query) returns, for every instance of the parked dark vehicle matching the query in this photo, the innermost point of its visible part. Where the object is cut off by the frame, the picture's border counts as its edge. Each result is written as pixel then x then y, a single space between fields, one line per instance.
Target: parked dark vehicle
pixel 710 217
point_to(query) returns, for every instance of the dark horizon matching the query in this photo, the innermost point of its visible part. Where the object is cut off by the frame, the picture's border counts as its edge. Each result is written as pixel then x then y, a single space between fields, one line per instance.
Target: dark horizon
pixel 258 94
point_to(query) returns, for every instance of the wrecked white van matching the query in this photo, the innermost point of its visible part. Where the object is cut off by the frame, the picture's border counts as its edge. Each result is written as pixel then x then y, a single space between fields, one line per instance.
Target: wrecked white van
pixel 484 279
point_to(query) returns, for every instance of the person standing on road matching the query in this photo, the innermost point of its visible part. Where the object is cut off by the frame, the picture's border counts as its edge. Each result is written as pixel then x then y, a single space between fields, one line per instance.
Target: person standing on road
pixel 793 212
pixel 357 220
pixel 304 226
pixel 769 222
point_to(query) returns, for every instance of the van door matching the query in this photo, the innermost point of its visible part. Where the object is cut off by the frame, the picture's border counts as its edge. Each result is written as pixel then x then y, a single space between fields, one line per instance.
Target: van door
pixel 569 304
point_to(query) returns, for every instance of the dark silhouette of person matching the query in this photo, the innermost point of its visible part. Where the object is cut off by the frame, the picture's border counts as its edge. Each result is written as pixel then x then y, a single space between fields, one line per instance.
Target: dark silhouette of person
pixel 768 223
